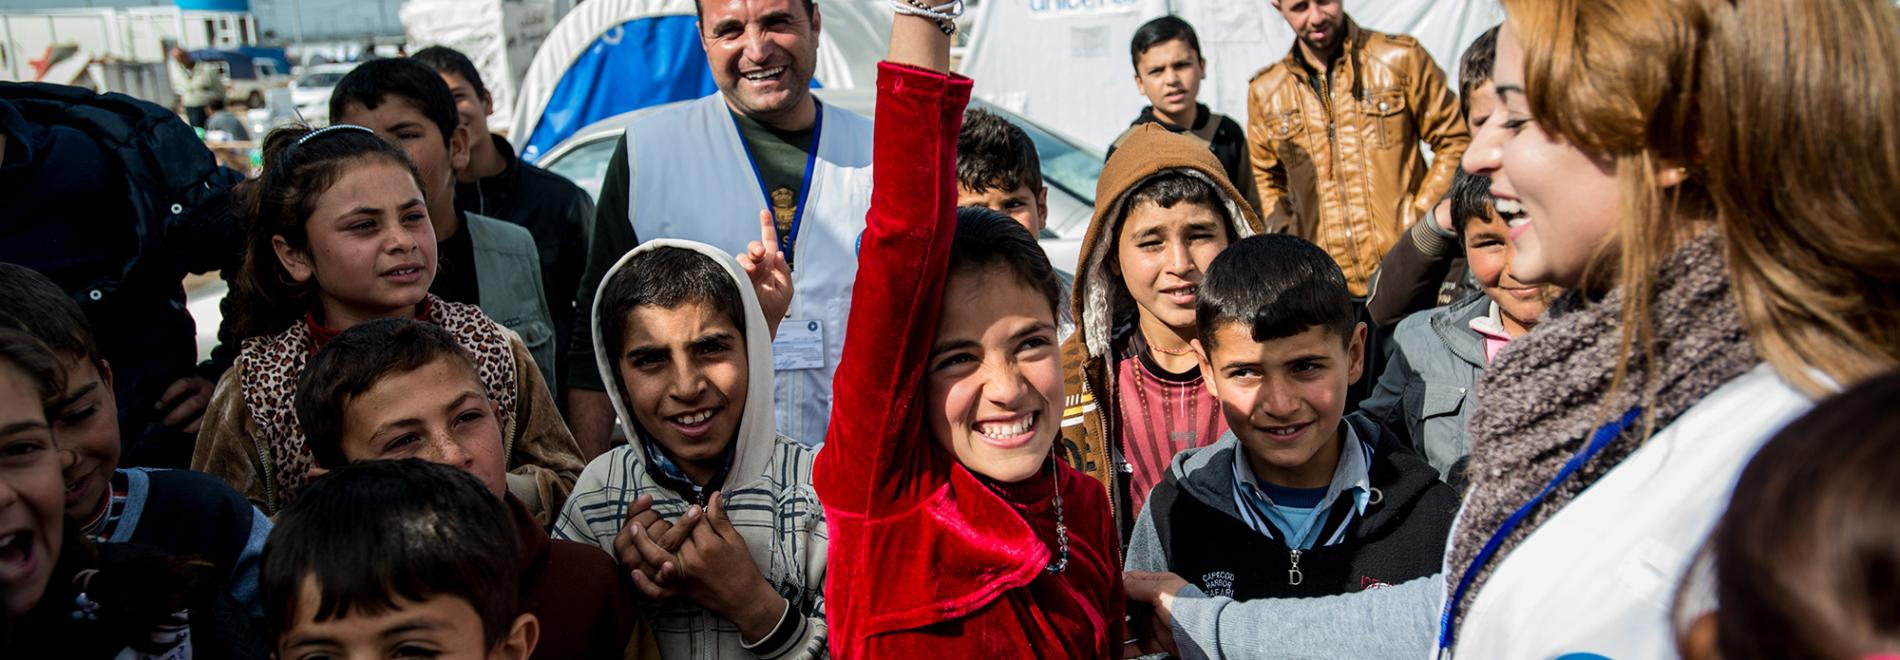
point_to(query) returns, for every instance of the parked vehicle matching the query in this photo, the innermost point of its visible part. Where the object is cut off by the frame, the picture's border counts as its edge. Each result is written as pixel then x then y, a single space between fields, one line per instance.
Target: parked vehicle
pixel 248 78
pixel 310 93
pixel 1069 169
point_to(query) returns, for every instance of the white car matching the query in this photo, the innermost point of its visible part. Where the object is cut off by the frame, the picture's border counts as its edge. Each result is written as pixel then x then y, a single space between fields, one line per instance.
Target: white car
pixel 1068 169
pixel 310 92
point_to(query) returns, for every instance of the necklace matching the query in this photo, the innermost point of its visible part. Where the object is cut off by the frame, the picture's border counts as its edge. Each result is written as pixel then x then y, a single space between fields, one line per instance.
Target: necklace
pixel 1062 530
pixel 1189 350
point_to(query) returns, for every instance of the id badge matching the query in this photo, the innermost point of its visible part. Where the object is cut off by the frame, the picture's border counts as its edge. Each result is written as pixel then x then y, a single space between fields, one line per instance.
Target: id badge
pixel 800 345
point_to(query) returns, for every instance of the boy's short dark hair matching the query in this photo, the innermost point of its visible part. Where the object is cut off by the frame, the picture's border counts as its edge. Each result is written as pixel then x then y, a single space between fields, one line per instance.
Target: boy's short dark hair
pixel 1160 31
pixel 1474 67
pixel 987 239
pixel 1470 198
pixel 355 361
pixel 372 533
pixel 214 105
pixel 1174 187
pixel 666 278
pixel 449 60
pixel 376 82
pixel 994 154
pixel 1178 187
pixel 30 302
pixel 1278 285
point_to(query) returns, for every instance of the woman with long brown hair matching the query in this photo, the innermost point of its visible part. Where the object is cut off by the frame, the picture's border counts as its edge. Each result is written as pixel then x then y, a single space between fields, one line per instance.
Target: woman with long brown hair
pixel 1717 182
pixel 1717 179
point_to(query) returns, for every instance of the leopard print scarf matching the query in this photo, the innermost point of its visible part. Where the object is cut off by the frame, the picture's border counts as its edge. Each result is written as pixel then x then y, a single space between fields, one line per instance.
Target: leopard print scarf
pixel 271 367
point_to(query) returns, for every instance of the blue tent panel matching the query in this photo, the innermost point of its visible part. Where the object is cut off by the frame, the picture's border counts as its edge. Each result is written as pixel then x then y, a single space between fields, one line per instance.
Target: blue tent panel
pixel 643 62
pixel 213 5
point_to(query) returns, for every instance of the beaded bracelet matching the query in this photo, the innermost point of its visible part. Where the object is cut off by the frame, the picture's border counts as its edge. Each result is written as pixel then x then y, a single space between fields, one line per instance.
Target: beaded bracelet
pixel 945 15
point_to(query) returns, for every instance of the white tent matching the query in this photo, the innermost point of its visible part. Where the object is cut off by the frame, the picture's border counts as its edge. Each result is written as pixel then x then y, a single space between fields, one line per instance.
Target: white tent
pixel 497 36
pixel 1065 63
pixel 607 57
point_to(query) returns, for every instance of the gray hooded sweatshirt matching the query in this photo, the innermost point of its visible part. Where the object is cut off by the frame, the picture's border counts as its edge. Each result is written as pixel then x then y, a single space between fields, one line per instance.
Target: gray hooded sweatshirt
pixel 768 494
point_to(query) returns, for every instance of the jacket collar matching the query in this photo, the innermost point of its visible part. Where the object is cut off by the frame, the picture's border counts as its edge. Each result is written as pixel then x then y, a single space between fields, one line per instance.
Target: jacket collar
pixel 1394 477
pixel 1201 118
pixel 1453 326
pixel 1351 482
pixel 502 185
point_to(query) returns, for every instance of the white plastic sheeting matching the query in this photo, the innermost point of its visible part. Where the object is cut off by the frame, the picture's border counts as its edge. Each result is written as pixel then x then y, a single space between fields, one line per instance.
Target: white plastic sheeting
pixel 1065 63
pixel 499 36
pixel 853 36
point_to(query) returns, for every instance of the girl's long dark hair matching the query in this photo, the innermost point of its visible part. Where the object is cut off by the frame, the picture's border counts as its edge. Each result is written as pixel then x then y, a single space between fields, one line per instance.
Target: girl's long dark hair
pixel 278 204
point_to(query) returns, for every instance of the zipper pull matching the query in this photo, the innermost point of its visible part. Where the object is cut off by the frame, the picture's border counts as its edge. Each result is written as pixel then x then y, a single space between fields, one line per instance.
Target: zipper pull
pixel 1293 575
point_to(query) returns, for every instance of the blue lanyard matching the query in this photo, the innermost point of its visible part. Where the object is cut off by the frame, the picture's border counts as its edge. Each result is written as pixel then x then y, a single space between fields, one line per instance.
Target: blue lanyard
pixel 1589 451
pixel 790 239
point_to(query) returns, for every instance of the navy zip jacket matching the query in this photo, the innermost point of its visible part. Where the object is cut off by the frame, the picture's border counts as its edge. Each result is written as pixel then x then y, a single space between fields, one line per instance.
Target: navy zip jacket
pixel 116 200
pixel 1191 527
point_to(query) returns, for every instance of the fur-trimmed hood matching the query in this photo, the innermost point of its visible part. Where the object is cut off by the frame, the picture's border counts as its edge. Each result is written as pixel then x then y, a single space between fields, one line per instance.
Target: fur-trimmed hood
pixel 1102 309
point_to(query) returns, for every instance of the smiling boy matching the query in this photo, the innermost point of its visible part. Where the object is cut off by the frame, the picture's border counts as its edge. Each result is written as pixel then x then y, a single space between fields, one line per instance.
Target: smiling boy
pixel 392 389
pixel 710 512
pixel 183 512
pixel 1297 499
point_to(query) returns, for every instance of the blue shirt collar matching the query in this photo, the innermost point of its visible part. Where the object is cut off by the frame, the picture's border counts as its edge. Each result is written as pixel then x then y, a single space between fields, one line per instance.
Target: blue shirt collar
pixel 1351 478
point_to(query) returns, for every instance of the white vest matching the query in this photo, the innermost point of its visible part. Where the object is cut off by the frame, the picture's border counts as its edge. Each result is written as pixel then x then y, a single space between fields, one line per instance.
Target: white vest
pixel 701 186
pixel 1600 575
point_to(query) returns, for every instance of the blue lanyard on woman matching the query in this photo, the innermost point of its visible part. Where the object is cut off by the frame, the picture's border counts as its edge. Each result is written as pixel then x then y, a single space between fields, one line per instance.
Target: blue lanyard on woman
pixel 1598 441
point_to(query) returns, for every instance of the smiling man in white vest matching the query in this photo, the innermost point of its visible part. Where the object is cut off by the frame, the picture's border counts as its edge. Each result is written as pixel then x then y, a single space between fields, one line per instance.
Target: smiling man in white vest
pixel 702 170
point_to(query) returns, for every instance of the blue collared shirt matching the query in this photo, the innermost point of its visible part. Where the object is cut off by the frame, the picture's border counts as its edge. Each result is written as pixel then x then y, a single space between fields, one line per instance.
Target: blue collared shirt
pixel 1351 478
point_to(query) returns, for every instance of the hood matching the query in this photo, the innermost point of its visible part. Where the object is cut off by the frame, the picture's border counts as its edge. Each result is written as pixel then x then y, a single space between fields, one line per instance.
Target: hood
pixel 25 140
pixel 1100 300
pixel 752 449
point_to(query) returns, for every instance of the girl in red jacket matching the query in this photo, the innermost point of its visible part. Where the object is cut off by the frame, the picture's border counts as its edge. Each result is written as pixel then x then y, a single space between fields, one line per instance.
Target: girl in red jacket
pixel 953 532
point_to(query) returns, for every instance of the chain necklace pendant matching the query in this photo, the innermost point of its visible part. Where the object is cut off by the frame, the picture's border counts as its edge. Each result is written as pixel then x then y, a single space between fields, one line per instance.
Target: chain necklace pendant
pixel 1062 529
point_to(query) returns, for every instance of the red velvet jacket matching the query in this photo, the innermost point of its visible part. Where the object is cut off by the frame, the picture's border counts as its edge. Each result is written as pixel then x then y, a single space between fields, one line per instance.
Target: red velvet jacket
pixel 927 559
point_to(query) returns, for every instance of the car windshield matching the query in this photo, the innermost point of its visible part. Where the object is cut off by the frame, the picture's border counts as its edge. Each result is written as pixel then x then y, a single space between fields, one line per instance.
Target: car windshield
pixel 1071 168
pixel 586 164
pixel 324 79
pixel 1064 164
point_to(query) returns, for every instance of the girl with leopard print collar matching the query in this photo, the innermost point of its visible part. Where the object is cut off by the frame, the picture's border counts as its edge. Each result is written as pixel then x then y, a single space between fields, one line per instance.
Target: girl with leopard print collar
pixel 339 234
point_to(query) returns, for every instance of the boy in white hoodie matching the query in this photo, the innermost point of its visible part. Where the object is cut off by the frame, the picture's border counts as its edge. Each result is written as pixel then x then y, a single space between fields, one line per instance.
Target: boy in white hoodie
pixel 708 508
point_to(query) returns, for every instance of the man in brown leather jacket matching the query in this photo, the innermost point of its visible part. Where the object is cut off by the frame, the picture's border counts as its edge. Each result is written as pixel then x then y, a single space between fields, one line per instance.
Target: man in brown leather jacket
pixel 1334 132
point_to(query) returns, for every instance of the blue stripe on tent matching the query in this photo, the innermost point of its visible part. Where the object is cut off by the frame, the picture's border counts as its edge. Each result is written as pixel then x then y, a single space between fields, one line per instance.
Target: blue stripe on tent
pixel 210 5
pixel 643 62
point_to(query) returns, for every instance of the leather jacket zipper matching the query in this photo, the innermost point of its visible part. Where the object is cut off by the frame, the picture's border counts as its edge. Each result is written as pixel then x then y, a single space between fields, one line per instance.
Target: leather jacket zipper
pixel 1293 575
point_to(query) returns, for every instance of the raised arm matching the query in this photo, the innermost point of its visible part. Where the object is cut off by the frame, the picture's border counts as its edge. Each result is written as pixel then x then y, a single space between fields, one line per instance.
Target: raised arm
pixel 876 427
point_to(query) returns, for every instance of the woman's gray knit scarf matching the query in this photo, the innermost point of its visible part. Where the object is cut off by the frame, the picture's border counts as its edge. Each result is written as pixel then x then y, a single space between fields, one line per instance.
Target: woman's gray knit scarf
pixel 1546 394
